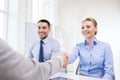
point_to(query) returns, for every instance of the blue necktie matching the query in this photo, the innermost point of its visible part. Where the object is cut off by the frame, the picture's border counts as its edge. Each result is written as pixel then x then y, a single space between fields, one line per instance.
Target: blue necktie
pixel 41 56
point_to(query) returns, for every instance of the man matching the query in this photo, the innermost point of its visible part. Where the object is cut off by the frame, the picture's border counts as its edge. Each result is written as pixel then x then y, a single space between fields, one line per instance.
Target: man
pixel 15 67
pixel 49 46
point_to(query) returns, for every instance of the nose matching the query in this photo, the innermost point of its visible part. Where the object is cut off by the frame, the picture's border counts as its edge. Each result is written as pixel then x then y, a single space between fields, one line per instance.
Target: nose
pixel 40 30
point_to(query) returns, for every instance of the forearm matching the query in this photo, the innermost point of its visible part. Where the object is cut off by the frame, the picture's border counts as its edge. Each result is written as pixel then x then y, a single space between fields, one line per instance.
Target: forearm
pixel 108 64
pixel 16 67
pixel 48 68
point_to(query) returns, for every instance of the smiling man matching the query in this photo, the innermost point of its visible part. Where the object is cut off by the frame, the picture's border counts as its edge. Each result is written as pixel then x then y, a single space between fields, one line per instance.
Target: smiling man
pixel 46 47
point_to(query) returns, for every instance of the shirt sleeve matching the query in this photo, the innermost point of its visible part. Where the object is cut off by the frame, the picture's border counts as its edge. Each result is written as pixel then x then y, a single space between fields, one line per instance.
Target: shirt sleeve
pixel 108 64
pixel 29 54
pixel 73 56
pixel 50 67
pixel 16 67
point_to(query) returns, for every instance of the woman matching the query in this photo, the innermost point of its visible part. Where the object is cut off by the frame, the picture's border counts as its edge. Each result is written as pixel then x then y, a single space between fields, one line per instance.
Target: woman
pixel 96 59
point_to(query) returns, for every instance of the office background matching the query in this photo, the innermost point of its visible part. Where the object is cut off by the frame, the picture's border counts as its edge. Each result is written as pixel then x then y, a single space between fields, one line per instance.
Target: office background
pixel 65 17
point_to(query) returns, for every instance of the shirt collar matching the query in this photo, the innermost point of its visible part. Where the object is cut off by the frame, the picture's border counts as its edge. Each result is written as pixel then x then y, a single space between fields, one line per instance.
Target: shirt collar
pixel 94 42
pixel 46 39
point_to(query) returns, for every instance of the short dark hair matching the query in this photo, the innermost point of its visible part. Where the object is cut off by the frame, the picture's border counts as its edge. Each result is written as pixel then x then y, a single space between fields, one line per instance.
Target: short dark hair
pixel 44 20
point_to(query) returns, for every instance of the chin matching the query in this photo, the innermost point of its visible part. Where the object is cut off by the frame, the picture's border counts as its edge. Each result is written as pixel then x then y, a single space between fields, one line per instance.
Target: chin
pixel 42 37
pixel 87 37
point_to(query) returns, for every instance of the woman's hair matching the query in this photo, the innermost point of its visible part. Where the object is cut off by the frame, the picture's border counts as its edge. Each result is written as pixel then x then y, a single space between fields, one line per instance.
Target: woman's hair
pixel 91 20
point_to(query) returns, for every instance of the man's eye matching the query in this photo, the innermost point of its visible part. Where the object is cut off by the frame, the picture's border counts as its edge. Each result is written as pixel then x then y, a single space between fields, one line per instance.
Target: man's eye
pixel 44 27
pixel 38 27
pixel 82 27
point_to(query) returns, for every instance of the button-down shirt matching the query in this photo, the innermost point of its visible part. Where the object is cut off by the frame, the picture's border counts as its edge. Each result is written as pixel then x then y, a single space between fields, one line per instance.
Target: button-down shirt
pixel 96 61
pixel 50 48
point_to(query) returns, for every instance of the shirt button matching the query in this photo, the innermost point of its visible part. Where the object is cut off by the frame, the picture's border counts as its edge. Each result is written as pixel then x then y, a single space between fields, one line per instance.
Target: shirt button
pixel 89 71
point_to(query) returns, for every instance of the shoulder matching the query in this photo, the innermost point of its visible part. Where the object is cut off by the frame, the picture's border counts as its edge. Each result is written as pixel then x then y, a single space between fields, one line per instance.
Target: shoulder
pixel 103 44
pixel 80 44
pixel 54 41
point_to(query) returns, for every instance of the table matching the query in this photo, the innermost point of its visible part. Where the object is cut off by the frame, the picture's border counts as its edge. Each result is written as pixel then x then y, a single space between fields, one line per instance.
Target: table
pixel 72 76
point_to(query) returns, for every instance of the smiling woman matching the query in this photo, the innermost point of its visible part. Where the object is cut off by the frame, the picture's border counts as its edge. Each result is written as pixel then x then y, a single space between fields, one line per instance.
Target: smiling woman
pixel 96 58
pixel 65 17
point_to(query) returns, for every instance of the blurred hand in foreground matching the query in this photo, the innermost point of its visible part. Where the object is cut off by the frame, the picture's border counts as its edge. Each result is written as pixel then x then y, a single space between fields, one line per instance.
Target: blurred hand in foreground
pixel 66 59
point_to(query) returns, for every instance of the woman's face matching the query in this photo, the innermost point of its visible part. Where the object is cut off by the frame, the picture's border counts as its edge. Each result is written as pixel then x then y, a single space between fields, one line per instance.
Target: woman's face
pixel 88 29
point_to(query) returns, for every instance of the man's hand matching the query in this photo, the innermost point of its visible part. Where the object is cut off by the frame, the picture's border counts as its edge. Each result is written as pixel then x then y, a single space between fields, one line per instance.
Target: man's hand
pixel 63 57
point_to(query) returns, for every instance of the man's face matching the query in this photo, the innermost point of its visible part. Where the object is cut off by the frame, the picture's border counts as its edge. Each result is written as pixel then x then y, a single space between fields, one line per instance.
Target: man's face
pixel 43 30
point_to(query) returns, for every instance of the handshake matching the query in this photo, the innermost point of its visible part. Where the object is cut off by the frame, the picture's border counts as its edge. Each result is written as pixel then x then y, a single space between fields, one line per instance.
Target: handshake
pixel 66 59
pixel 63 59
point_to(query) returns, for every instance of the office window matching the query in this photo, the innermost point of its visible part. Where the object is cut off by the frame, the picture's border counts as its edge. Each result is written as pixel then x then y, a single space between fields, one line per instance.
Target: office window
pixel 3 16
pixel 36 10
pixel 44 9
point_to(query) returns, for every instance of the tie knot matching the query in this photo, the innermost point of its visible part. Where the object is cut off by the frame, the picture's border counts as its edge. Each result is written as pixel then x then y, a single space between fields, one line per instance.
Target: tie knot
pixel 41 42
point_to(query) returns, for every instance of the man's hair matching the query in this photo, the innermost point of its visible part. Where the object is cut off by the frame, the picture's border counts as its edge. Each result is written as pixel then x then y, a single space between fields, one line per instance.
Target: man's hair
pixel 44 20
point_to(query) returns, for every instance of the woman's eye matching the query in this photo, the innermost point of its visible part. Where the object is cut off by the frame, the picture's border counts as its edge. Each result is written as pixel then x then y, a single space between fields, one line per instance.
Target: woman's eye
pixel 88 26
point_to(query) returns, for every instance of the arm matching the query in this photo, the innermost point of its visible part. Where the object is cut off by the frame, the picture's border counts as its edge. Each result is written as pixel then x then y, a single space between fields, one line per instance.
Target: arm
pixel 29 53
pixel 73 56
pixel 108 64
pixel 56 48
pixel 15 67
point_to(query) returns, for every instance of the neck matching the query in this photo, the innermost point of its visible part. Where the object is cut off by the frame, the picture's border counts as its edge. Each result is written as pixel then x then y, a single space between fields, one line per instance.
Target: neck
pixel 90 41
